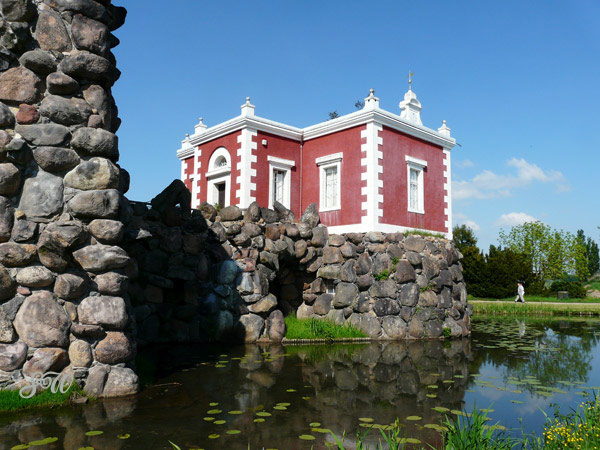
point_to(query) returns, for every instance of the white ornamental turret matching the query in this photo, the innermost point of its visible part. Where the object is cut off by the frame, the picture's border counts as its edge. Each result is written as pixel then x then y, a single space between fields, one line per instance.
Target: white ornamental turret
pixel 411 106
pixel 371 102
pixel 199 128
pixel 247 108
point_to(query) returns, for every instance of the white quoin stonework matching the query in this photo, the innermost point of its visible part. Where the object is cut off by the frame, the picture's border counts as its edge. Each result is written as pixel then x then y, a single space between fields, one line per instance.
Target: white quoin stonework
pixel 245 166
pixel 371 160
pixel 197 177
pixel 448 193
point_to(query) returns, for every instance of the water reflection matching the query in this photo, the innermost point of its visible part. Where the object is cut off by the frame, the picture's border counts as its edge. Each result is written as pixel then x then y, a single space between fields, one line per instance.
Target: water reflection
pixel 195 388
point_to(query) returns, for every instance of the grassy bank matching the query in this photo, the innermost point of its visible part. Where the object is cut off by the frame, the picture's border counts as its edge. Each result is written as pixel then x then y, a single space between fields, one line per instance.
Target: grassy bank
pixel 12 401
pixel 535 308
pixel 319 329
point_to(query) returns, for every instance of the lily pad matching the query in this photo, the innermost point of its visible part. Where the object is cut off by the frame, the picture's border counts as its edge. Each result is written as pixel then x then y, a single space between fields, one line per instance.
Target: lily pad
pixel 280 408
pixel 440 409
pixel 263 414
pixel 45 441
pixel 366 419
pixel 233 432
pixel 214 411
pixel 314 424
pixel 219 422
pixel 209 419
pixel 290 390
pixel 20 447
pixel 94 433
pixel 123 436
pixel 236 412
pixel 431 395
pixel 259 420
pixel 306 437
pixel 414 418
pixel 214 436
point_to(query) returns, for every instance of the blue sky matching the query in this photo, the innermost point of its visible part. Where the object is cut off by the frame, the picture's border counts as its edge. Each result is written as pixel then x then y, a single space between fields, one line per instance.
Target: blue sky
pixel 516 81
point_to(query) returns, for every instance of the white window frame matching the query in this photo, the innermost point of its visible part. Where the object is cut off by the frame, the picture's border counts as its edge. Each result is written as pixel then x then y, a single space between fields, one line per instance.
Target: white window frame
pixel 217 175
pixel 286 166
pixel 419 166
pixel 325 162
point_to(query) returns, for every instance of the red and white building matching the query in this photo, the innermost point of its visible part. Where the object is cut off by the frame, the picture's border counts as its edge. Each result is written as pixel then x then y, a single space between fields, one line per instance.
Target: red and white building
pixel 370 170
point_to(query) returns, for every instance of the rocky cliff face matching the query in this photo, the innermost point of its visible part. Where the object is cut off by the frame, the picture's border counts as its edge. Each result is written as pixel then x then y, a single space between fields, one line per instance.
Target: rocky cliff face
pixel 234 275
pixel 62 271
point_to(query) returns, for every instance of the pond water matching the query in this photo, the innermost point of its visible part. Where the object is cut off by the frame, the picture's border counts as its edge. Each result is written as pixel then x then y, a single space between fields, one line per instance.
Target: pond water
pixel 256 397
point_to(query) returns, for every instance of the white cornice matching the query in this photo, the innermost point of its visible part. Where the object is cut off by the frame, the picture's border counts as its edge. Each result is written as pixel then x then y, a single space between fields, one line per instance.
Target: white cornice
pixel 240 122
pixel 356 118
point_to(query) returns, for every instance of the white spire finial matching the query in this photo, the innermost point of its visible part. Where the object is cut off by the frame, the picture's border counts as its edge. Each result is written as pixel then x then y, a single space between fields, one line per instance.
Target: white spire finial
pixel 247 108
pixel 411 106
pixel 444 130
pixel 371 102
pixel 199 128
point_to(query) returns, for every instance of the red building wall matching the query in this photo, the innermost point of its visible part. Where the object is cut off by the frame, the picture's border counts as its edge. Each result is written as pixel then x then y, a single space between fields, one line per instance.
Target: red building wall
pixel 279 147
pixel 395 190
pixel 347 142
pixel 230 142
pixel 188 170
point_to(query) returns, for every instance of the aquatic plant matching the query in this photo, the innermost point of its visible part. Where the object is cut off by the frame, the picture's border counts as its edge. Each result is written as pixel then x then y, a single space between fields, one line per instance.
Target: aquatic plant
pixel 319 329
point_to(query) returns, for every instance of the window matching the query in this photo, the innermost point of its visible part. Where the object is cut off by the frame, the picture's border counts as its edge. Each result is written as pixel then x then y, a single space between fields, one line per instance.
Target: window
pixel 218 178
pixel 278 183
pixel 280 174
pixel 330 287
pixel 415 174
pixel 330 176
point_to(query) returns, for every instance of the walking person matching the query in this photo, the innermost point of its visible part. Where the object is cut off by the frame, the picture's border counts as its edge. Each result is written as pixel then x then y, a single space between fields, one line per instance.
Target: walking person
pixel 520 293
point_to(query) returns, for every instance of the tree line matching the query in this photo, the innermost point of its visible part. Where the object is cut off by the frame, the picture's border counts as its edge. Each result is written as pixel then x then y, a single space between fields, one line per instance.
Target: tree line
pixel 542 258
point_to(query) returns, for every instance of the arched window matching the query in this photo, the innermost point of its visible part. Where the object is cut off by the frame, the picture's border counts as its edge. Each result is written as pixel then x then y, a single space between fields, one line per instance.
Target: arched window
pixel 218 178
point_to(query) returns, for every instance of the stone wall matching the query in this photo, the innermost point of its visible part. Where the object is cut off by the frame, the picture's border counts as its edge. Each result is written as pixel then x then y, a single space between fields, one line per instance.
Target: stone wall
pixel 62 272
pixel 235 275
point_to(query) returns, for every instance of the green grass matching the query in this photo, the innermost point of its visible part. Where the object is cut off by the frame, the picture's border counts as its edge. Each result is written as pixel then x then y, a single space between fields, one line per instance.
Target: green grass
pixel 423 233
pixel 593 285
pixel 12 401
pixel 319 329
pixel 539 299
pixel 534 308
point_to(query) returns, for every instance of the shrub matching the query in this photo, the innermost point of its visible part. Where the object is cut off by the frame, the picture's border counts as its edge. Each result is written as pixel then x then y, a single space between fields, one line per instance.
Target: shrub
pixel 574 288
pixel 383 275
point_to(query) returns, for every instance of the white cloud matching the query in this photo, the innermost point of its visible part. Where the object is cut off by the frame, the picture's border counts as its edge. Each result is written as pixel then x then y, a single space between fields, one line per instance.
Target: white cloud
pixel 464 163
pixel 462 219
pixel 514 218
pixel 488 184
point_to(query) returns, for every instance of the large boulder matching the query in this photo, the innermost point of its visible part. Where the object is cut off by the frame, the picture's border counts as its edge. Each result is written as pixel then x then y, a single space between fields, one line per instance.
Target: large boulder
pixel 44 134
pixel 61 84
pixel 96 204
pixel 276 326
pixel 230 213
pixel 65 111
pixel 55 159
pixel 95 173
pixel 94 385
pixel 115 348
pixel 7 332
pixel 80 353
pixel 35 277
pixel 70 286
pixel 107 231
pixel 16 255
pixel 264 305
pixel 96 142
pixel 42 322
pixel 311 215
pixel 87 66
pixel 17 10
pixel 46 360
pixel 90 35
pixel 121 381
pixel 38 61
pixel 99 257
pixel 20 85
pixel 10 179
pixel 7 118
pixel 42 196
pixel 250 327
pixel 103 310
pixel 51 33
pixel 12 356
pixel 8 287
pixel 345 295
pixel 7 217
